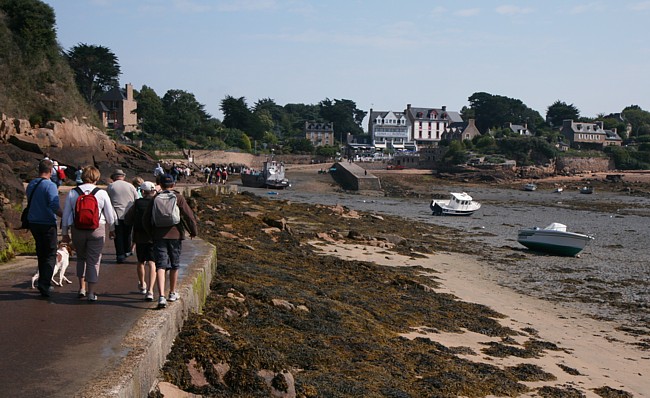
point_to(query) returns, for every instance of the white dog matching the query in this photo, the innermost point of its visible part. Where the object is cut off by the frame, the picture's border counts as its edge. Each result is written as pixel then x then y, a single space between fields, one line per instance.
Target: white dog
pixel 62 262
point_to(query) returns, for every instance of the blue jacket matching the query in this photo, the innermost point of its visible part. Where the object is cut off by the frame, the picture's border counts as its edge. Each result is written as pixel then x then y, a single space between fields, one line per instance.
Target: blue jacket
pixel 45 202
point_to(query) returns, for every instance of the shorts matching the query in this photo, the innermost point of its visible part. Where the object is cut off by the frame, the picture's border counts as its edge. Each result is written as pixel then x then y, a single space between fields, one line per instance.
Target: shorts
pixel 167 253
pixel 144 252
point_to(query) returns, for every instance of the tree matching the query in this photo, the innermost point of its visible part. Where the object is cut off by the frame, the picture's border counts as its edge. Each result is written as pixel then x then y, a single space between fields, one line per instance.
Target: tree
pixel 343 114
pixel 638 118
pixel 96 70
pixel 183 113
pixel 33 24
pixel 496 111
pixel 236 114
pixel 150 110
pixel 560 111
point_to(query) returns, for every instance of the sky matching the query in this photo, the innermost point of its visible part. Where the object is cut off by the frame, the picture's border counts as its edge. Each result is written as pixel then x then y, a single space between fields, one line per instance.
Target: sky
pixel 380 54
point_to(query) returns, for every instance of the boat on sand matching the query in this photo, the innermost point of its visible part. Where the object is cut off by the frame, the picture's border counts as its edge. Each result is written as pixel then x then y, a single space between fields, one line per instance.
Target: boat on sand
pixel 460 204
pixel 271 176
pixel 554 239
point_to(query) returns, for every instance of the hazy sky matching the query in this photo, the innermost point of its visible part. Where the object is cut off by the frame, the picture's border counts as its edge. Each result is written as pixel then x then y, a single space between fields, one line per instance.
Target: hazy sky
pixel 380 54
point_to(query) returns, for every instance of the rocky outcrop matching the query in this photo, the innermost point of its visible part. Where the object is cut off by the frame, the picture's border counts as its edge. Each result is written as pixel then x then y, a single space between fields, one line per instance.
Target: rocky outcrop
pixel 71 143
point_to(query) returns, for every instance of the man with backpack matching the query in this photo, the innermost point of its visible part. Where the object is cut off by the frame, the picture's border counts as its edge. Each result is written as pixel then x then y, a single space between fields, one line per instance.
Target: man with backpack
pixel 142 239
pixel 87 213
pixel 167 219
pixel 123 194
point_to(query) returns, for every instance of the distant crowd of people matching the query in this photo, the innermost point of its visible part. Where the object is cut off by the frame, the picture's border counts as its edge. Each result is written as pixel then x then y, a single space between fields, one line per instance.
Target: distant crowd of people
pixel 149 217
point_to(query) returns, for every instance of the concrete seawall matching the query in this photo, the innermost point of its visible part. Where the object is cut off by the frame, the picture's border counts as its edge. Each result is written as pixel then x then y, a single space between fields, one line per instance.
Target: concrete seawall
pixel 149 341
pixel 353 177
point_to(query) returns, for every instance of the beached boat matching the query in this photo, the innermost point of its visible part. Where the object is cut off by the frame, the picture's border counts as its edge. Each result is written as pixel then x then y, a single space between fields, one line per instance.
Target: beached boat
pixel 271 176
pixel 587 190
pixel 553 239
pixel 460 204
pixel 530 187
pixel 559 190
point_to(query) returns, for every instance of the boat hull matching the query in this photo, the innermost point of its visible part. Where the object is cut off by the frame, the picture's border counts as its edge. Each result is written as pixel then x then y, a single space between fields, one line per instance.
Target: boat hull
pixel 253 180
pixel 441 208
pixel 554 242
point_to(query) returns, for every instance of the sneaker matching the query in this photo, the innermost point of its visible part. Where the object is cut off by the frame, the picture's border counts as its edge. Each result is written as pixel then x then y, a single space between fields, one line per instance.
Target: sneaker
pixel 92 298
pixel 142 288
pixel 128 254
pixel 173 296
pixel 148 296
pixel 81 294
pixel 162 302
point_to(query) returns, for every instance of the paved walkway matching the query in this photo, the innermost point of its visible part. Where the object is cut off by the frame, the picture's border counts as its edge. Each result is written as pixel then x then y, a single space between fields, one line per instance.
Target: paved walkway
pixel 61 346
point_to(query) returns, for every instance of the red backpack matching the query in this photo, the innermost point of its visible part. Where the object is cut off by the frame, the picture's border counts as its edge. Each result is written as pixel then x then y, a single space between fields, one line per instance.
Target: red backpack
pixel 60 173
pixel 86 210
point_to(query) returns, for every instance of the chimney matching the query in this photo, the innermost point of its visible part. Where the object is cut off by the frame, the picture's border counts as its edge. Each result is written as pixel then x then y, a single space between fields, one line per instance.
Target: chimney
pixel 129 91
pixel 444 108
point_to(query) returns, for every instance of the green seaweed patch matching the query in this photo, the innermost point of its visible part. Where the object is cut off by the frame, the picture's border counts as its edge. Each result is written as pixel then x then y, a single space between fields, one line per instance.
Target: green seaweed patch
pixel 530 372
pixel 569 370
pixel 609 392
pixel 559 392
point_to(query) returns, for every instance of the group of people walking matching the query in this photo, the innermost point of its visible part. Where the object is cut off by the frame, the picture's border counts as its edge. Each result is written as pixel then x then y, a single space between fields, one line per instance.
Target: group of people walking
pixel 131 216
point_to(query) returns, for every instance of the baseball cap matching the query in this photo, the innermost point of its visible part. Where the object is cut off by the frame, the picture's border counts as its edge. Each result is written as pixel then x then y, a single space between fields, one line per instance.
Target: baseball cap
pixel 147 186
pixel 166 179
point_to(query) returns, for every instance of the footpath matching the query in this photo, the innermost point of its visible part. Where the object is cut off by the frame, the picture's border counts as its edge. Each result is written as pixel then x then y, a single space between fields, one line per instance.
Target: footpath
pixel 64 346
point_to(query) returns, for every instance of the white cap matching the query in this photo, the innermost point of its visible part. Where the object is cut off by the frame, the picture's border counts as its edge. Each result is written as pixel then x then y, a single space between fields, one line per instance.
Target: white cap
pixel 147 186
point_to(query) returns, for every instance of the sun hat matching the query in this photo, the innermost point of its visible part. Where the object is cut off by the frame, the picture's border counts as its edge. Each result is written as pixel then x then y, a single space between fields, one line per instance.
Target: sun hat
pixel 118 172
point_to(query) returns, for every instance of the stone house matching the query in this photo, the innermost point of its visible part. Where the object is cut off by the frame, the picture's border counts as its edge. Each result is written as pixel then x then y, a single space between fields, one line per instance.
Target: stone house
pixel 117 109
pixel 461 131
pixel 320 133
pixel 583 135
pixel 519 129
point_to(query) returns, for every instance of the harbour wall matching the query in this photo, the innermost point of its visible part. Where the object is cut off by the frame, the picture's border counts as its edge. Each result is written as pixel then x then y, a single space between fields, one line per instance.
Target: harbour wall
pixel 355 178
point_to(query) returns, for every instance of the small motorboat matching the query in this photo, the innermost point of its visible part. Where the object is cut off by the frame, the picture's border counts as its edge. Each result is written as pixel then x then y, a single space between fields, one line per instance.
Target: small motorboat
pixel 553 239
pixel 460 204
pixel 530 187
pixel 559 189
pixel 587 190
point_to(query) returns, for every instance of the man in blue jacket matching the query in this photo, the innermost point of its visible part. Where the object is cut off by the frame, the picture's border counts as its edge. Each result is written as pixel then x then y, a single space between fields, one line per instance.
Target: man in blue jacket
pixel 43 209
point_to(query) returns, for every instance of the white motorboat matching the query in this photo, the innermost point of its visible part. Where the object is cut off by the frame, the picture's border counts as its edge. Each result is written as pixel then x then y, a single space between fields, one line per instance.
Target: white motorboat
pixel 553 239
pixel 530 187
pixel 460 204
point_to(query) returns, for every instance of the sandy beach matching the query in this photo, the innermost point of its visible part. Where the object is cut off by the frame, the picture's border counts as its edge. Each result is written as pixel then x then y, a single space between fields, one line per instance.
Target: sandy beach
pixel 600 353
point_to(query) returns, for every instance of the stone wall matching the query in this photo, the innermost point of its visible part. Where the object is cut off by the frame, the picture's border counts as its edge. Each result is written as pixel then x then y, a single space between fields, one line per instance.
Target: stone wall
pixel 576 165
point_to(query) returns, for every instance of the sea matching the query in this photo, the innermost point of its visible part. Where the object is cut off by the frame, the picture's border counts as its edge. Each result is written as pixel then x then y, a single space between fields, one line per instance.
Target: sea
pixel 609 280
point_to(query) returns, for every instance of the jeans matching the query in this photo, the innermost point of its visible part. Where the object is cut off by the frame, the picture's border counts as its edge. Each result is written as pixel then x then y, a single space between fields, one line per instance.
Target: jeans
pixel 122 239
pixel 46 246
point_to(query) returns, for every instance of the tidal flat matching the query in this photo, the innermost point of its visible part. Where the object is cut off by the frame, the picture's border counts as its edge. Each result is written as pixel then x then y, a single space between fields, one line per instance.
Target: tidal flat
pixel 337 326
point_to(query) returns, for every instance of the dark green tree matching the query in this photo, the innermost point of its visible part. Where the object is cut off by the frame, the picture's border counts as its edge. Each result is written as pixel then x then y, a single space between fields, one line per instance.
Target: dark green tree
pixel 236 114
pixel 638 118
pixel 150 110
pixel 496 111
pixel 96 69
pixel 32 23
pixel 184 115
pixel 560 111
pixel 344 114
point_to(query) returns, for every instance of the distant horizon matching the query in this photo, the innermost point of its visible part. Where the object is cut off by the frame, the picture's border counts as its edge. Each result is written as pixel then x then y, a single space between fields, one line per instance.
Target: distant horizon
pixel 430 55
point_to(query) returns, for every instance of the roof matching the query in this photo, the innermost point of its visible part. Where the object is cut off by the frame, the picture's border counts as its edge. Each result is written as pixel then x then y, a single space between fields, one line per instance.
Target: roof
pixel 461 196
pixel 114 94
pixel 425 113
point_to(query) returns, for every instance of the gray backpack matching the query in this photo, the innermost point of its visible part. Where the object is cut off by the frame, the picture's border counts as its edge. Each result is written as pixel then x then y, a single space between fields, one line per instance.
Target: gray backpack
pixel 165 212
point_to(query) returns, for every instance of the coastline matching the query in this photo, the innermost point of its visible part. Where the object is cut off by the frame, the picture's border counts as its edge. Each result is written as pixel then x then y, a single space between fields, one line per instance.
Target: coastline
pixel 573 349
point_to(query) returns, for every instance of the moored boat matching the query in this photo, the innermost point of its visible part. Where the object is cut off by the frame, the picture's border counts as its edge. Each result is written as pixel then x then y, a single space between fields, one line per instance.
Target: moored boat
pixel 530 187
pixel 553 239
pixel 587 190
pixel 460 204
pixel 271 176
